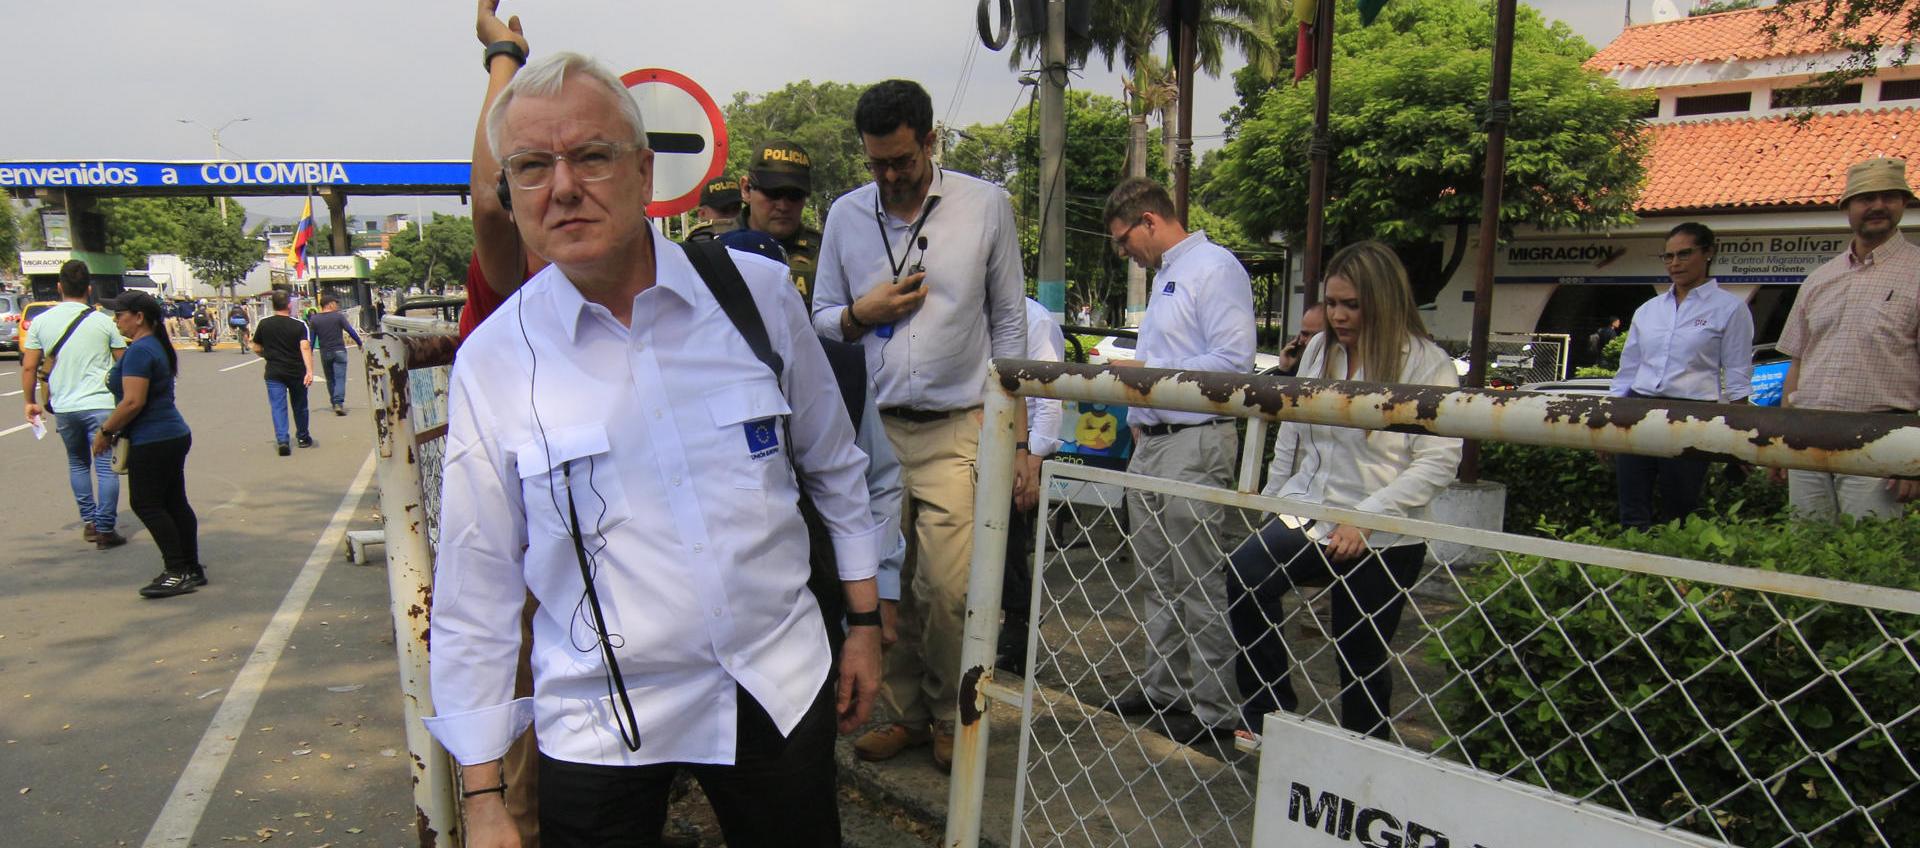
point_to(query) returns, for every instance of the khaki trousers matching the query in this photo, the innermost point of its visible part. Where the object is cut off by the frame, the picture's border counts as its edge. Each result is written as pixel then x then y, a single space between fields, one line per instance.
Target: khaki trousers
pixel 937 471
pixel 1177 545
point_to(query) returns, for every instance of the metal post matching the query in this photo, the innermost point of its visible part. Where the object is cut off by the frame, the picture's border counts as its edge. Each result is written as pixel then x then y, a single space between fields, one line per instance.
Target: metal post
pixel 1136 275
pixel 1499 112
pixel 993 497
pixel 409 585
pixel 1317 152
pixel 1053 176
pixel 1189 26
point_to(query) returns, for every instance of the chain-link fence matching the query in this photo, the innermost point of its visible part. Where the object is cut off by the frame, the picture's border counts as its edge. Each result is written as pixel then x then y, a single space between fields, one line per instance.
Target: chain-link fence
pixel 1644 699
pixel 1517 359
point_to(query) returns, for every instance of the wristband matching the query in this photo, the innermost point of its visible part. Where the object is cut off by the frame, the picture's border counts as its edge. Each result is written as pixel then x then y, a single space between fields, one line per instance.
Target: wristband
pixel 1022 446
pixel 855 321
pixel 502 789
pixel 870 618
pixel 503 48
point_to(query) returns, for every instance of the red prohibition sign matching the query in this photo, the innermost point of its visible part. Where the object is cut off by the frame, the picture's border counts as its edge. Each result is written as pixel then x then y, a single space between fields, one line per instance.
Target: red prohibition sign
pixel 677 138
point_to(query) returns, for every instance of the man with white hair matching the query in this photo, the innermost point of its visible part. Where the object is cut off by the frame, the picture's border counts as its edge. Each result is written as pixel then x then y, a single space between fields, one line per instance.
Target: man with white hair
pixel 616 448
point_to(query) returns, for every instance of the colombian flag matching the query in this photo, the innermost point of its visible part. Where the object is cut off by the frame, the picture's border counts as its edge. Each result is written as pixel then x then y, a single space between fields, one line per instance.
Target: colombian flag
pixel 302 233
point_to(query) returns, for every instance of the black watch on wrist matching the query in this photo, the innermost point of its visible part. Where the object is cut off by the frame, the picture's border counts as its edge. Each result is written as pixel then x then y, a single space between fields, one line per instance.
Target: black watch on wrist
pixel 1022 446
pixel 503 48
pixel 870 618
pixel 854 320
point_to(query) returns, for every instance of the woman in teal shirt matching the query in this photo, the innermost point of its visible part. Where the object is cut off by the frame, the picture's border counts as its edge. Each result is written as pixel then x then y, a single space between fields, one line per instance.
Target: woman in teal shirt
pixel 143 382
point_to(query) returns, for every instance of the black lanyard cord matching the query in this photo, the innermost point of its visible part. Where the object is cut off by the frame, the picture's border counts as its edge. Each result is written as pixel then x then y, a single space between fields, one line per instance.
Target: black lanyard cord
pixel 616 683
pixel 913 235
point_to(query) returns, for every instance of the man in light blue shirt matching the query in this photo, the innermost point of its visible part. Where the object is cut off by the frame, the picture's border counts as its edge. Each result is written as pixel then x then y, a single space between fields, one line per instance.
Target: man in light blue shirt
pixel 78 396
pixel 922 266
pixel 1199 318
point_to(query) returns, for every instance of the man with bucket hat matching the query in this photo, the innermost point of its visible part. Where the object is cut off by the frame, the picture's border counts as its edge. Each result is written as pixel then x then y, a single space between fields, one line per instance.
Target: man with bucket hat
pixel 1854 335
pixel 775 189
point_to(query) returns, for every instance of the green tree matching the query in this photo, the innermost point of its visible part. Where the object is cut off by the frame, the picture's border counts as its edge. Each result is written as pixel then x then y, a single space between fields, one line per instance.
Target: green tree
pixel 816 116
pixel 432 257
pixel 221 253
pixel 1718 6
pixel 1008 154
pixel 9 237
pixel 1407 138
pixel 140 226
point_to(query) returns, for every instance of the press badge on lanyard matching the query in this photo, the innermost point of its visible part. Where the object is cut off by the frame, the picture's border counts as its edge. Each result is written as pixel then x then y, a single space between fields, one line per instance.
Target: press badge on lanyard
pixel 763 438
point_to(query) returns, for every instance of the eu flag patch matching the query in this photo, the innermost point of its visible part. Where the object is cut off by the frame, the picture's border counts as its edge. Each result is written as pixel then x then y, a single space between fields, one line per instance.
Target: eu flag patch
pixel 1168 289
pixel 763 438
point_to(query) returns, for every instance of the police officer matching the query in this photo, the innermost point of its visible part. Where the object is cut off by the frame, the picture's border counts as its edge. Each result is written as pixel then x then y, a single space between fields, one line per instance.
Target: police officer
pixel 719 210
pixel 775 188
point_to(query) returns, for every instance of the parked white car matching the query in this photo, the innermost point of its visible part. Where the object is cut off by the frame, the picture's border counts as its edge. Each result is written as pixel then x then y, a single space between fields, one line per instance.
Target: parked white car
pixel 1110 348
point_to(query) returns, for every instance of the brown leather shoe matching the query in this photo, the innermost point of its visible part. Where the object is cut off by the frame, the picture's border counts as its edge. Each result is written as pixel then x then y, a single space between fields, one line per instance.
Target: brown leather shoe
pixel 943 749
pixel 885 743
pixel 88 533
pixel 109 539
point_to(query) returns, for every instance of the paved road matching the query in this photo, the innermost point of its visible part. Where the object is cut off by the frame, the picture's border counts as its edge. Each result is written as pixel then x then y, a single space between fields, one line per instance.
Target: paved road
pixel 126 721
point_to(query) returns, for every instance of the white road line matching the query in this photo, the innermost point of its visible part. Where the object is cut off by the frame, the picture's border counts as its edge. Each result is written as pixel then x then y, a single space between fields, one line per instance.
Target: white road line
pixel 14 392
pixel 231 367
pixel 9 374
pixel 15 429
pixel 181 816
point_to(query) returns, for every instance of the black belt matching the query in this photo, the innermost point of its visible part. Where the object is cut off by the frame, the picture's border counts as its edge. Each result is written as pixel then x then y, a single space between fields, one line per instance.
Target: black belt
pixel 1170 429
pixel 919 416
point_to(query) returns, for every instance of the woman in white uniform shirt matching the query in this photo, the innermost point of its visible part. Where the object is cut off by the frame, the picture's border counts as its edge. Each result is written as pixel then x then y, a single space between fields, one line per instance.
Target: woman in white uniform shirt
pixel 1373 334
pixel 1692 342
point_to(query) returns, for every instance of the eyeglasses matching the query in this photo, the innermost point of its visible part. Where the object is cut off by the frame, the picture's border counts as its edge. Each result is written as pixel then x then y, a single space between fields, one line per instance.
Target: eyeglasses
pixel 898 164
pixel 1681 255
pixel 1120 241
pixel 591 162
pixel 793 195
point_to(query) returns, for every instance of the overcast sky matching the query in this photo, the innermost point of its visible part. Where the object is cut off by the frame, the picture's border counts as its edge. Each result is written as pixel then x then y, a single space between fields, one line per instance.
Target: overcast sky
pixel 380 79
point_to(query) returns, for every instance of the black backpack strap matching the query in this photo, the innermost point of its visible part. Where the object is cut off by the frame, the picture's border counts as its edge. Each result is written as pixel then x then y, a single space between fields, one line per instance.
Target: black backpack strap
pixel 54 352
pixel 717 269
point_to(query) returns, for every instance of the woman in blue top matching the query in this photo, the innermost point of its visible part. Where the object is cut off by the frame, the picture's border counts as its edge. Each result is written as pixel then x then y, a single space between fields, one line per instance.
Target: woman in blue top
pixel 143 382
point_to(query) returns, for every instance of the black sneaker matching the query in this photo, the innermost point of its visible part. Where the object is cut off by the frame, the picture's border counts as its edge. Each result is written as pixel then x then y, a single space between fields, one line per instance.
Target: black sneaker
pixel 285 449
pixel 306 441
pixel 198 576
pixel 167 585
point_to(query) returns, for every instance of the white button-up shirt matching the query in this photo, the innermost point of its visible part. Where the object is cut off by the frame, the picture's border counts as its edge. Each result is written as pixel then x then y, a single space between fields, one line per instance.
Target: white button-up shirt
pixel 667 434
pixel 937 356
pixel 1045 341
pixel 1700 348
pixel 1365 470
pixel 1199 318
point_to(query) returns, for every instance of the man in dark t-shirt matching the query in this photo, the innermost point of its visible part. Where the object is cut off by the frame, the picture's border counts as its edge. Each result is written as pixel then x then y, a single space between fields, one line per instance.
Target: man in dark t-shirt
pixel 329 325
pixel 281 340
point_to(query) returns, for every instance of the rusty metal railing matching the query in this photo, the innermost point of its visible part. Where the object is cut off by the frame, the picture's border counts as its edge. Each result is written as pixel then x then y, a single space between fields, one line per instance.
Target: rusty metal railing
pixel 406 435
pixel 1084 776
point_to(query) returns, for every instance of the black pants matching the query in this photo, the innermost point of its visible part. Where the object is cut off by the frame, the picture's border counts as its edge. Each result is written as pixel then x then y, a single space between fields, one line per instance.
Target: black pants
pixel 1368 597
pixel 157 491
pixel 1678 482
pixel 780 791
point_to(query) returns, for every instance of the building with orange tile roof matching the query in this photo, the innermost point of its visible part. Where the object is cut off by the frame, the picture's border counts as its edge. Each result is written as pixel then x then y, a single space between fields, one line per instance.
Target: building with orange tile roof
pixel 1741 143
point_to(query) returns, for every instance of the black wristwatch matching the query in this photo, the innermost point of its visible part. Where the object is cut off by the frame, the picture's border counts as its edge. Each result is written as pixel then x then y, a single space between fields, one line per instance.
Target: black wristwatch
pixel 110 434
pixel 870 618
pixel 503 48
pixel 1022 446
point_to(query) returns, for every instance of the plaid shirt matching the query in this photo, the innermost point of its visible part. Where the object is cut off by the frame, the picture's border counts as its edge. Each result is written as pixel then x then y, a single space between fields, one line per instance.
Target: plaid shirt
pixel 1855 332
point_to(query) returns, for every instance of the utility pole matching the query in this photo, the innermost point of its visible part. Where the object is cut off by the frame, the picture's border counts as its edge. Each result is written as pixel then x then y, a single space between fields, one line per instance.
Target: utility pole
pixel 1187 25
pixel 1318 151
pixel 1136 167
pixel 1053 176
pixel 1499 113
pixel 219 153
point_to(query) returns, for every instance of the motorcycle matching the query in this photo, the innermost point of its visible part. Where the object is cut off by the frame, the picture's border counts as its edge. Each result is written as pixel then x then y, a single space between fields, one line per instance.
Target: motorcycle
pixel 204 335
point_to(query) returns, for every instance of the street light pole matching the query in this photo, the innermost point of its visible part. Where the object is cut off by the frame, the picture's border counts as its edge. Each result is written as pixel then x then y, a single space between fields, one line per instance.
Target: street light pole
pixel 218 151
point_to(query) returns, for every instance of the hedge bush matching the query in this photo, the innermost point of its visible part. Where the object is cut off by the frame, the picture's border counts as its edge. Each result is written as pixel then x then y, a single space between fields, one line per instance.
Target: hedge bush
pixel 1557 488
pixel 1638 671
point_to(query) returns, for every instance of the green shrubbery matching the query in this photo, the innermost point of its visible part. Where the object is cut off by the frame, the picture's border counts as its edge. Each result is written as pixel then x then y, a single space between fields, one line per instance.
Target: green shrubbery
pixel 1661 697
